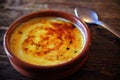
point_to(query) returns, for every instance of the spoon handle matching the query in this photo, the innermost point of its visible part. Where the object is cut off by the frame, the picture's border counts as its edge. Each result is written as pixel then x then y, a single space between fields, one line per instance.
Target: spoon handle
pixel 109 28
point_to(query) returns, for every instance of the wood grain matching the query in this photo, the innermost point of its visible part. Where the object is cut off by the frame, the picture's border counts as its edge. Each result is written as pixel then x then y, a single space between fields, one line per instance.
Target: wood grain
pixel 104 55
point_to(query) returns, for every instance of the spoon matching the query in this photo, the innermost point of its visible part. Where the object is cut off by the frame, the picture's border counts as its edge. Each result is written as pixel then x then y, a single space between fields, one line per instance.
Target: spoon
pixel 90 16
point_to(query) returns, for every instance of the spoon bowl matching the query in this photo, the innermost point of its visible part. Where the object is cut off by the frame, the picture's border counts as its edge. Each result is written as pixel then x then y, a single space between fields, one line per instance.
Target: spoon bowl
pixel 90 16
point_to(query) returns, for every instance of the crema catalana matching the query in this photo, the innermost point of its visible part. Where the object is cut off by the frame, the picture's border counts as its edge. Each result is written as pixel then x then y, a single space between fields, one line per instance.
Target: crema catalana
pixel 46 41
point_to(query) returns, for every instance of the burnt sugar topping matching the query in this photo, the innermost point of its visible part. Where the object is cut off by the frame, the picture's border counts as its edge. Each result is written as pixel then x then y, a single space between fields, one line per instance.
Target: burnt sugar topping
pixel 49 41
pixel 51 38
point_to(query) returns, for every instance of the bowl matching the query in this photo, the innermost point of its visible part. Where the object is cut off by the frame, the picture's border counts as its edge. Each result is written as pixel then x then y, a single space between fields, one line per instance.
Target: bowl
pixel 56 71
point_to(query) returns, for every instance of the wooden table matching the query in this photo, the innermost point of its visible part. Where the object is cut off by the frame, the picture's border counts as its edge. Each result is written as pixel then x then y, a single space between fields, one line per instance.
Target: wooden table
pixel 104 56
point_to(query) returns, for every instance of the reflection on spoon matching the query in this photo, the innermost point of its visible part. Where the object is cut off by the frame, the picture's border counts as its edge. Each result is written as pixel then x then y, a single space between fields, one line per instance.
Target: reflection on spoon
pixel 90 16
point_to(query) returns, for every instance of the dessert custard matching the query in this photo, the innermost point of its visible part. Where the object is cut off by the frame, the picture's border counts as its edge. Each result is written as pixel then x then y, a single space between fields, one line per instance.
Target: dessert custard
pixel 46 41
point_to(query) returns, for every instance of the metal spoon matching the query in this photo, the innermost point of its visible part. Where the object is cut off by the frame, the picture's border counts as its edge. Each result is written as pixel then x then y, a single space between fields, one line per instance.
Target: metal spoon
pixel 90 16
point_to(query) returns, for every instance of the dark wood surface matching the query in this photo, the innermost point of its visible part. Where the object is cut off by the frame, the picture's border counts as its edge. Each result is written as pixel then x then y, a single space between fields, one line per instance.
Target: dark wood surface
pixel 104 56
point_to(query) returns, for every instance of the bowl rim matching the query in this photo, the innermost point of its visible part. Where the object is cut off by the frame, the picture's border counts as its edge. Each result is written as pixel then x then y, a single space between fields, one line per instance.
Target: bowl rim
pixel 12 56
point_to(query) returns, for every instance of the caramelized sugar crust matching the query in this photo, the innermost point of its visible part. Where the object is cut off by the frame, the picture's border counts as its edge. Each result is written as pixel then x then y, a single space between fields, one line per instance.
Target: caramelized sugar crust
pixel 46 41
